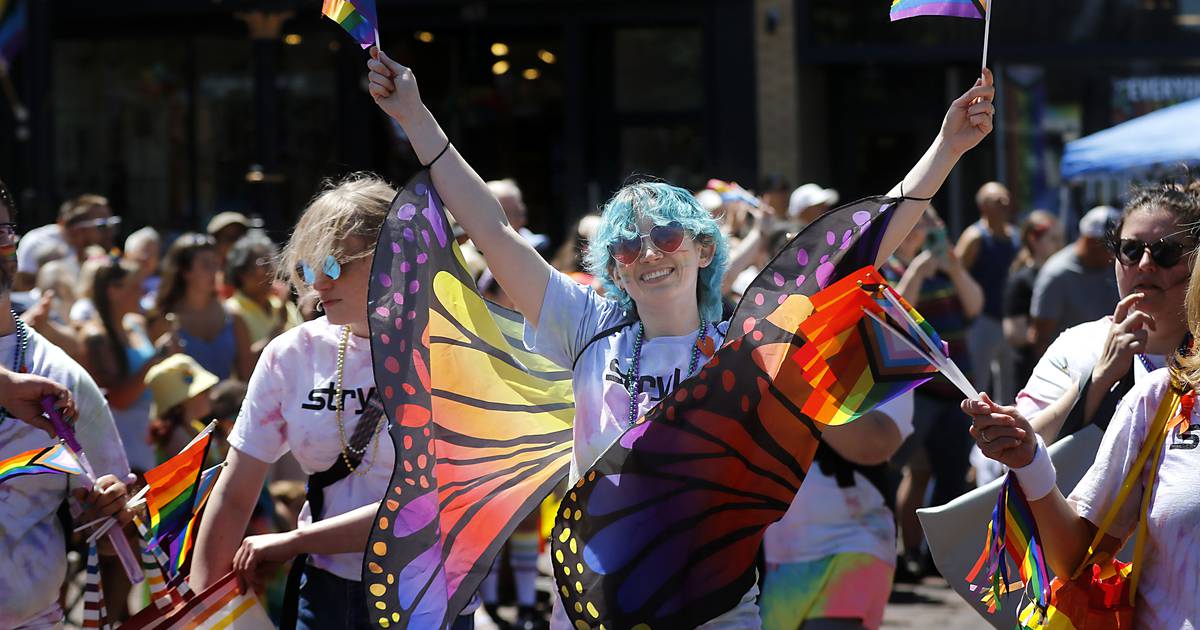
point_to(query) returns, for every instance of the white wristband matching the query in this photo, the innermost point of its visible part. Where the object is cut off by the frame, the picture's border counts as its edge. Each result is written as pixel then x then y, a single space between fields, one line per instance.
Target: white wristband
pixel 1037 478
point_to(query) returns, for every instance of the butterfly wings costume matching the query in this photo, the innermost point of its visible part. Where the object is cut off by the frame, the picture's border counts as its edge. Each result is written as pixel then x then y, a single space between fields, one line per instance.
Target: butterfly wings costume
pixel 662 531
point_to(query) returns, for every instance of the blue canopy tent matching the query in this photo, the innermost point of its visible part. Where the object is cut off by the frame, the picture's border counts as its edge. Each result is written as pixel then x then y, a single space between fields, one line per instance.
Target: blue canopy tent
pixel 1164 138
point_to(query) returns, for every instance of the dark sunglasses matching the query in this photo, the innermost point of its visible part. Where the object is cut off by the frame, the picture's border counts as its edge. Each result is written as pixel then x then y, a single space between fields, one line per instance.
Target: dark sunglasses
pixel 665 238
pixel 1163 252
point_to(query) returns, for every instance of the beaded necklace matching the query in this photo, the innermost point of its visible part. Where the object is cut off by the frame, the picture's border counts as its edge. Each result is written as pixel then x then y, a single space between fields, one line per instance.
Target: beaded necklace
pixel 1146 363
pixel 19 349
pixel 347 449
pixel 634 377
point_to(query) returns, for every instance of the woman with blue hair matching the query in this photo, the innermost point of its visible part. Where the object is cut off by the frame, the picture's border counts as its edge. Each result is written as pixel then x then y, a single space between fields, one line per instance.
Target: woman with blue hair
pixel 660 258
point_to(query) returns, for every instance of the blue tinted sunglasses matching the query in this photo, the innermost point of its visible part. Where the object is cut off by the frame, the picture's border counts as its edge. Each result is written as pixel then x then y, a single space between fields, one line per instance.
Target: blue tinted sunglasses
pixel 331 268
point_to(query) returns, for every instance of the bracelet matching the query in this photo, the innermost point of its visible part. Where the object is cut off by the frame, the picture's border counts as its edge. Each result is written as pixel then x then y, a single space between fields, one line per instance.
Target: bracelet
pixel 438 156
pixel 904 196
pixel 1038 477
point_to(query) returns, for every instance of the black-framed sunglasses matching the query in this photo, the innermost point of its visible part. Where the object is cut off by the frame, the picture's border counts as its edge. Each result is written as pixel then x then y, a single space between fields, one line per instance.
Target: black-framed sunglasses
pixel 665 238
pixel 1164 252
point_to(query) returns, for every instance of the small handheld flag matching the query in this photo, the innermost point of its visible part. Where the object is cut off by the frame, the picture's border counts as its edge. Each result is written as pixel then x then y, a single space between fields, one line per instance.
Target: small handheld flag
pixel 974 9
pixel 903 9
pixel 50 460
pixel 356 17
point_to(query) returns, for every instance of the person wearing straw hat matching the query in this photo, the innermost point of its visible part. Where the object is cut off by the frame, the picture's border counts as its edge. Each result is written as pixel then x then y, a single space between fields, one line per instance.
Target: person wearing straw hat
pixel 179 386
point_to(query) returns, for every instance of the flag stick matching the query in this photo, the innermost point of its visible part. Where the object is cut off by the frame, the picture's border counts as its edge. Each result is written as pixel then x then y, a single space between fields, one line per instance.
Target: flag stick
pixel 987 30
pixel 378 42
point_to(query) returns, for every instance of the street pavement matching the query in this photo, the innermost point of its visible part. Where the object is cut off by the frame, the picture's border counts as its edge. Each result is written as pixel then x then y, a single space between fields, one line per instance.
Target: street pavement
pixel 930 604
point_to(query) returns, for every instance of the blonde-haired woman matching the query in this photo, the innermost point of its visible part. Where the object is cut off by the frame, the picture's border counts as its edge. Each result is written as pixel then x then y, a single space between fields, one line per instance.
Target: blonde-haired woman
pixel 308 393
pixel 1170 568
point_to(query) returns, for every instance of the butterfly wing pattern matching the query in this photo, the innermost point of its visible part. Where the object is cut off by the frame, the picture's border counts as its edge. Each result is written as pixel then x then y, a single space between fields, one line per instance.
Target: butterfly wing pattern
pixel 482 428
pixel 663 530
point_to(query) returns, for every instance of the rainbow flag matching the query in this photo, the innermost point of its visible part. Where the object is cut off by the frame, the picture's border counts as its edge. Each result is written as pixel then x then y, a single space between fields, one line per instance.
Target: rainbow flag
pixel 357 17
pixel 1012 531
pixel 55 459
pixel 182 546
pixel 219 606
pixel 174 487
pixel 902 9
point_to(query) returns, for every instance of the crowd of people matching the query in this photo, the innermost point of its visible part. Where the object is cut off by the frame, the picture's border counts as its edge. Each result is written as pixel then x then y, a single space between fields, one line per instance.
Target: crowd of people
pixel 146 343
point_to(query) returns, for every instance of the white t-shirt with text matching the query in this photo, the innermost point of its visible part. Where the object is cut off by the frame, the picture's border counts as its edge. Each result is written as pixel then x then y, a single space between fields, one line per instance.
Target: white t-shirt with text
pixel 291 406
pixel 1167 595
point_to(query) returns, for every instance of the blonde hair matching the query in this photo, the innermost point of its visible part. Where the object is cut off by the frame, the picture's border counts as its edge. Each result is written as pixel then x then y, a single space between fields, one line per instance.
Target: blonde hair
pixel 355 206
pixel 1185 369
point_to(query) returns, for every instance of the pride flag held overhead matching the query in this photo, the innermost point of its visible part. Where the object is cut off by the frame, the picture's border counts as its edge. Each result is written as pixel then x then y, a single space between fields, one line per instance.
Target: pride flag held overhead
pixel 55 459
pixel 356 17
pixel 902 9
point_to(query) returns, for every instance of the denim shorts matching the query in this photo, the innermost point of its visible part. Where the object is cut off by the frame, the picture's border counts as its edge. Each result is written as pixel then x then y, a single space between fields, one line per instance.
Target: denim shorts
pixel 328 601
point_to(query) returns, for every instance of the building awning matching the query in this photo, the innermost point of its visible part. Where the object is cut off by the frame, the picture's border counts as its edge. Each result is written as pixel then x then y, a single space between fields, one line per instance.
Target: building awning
pixel 1163 138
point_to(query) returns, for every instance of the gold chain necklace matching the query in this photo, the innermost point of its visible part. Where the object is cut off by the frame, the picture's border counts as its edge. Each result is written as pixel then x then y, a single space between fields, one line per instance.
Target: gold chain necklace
pixel 341 404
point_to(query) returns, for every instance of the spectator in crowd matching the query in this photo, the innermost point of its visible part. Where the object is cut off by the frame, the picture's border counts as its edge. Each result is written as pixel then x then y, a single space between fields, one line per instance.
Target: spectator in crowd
pixel 830 559
pixel 187 304
pixel 53 302
pixel 120 354
pixel 810 201
pixel 182 406
pixel 987 249
pixel 1153 244
pixel 927 272
pixel 227 228
pixel 775 192
pixel 513 202
pixel 569 258
pixel 1075 286
pixel 83 221
pixel 1041 236
pixel 144 248
pixel 33 561
pixel 250 270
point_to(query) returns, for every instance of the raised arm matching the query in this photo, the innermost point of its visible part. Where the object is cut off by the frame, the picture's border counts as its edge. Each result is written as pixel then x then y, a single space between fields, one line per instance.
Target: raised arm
pixel 518 268
pixel 967 122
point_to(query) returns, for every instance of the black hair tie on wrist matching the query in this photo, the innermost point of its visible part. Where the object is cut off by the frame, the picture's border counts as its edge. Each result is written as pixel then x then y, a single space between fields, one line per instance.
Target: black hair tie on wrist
pixel 438 157
pixel 904 196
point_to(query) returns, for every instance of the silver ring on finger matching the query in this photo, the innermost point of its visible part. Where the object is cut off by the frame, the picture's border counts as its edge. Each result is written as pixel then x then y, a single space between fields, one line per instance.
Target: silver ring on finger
pixel 983 434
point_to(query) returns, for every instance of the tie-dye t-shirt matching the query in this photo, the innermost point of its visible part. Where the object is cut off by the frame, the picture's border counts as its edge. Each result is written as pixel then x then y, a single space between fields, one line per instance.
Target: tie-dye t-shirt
pixel 1170 573
pixel 33 557
pixel 291 404
pixel 572 316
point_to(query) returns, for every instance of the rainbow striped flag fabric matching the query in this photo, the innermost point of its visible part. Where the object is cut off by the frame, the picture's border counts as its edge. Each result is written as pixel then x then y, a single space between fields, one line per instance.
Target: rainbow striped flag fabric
pixel 220 606
pixel 903 9
pixel 182 546
pixel 56 460
pixel 356 17
pixel 174 487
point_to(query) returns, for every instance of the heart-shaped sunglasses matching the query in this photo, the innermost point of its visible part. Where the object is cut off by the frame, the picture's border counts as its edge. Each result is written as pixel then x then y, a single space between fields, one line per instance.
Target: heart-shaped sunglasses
pixel 665 238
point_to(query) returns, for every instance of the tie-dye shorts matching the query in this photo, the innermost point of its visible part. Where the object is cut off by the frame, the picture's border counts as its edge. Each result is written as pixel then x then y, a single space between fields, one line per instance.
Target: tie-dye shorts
pixel 842 586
